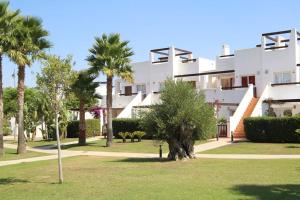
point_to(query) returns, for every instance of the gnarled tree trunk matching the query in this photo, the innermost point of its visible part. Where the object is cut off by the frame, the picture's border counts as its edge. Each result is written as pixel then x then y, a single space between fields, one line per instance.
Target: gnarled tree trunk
pixel 109 111
pixel 182 147
pixel 21 88
pixel 82 131
pixel 1 111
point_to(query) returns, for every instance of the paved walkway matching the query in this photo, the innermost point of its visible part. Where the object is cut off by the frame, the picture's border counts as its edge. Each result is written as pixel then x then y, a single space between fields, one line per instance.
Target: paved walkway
pixel 199 148
pixel 212 144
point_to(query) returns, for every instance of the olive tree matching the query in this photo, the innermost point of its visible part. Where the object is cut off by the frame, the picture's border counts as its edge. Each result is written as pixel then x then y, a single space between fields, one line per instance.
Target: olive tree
pixel 182 117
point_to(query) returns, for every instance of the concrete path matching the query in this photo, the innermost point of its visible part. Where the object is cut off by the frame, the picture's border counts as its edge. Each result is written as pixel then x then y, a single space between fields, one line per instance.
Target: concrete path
pixel 212 144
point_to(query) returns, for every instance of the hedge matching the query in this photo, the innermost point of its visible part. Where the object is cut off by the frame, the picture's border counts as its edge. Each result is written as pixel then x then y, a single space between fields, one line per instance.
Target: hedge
pixel 92 128
pixel 127 125
pixel 272 129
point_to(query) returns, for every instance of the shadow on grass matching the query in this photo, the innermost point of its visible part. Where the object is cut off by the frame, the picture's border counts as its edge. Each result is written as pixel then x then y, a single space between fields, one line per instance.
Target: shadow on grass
pixel 293 147
pixel 68 146
pixel 10 180
pixel 270 192
pixel 141 160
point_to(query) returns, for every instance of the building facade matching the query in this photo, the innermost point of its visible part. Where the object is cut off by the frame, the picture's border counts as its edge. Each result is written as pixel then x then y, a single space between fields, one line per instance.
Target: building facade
pixel 243 83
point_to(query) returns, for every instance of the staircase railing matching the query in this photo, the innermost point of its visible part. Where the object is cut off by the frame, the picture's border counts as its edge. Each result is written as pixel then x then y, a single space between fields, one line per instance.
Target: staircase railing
pixel 238 114
pixel 127 111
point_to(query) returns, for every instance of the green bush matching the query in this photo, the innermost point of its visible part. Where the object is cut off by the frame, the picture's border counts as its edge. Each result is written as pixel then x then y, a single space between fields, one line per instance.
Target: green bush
pixel 139 135
pixel 92 128
pixel 123 135
pixel 127 125
pixel 287 113
pixel 131 136
pixel 271 129
pixel 6 128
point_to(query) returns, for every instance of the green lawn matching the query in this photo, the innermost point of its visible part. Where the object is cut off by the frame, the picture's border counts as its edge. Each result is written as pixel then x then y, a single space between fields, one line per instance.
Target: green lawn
pixel 257 148
pixel 11 154
pixel 146 146
pixel 44 142
pixel 129 179
pixel 49 142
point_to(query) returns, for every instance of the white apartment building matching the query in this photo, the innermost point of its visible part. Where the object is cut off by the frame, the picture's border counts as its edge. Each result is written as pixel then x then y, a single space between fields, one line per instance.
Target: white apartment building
pixel 240 84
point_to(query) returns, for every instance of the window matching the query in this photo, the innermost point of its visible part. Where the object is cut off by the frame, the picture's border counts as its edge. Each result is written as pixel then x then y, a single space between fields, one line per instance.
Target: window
pixel 282 77
pixel 226 82
pixel 141 88
pixel 246 80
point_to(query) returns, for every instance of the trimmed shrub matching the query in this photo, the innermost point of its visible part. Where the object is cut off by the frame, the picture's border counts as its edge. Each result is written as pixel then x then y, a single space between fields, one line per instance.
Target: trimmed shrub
pixel 92 128
pixel 139 135
pixel 123 135
pixel 271 129
pixel 131 136
pixel 127 125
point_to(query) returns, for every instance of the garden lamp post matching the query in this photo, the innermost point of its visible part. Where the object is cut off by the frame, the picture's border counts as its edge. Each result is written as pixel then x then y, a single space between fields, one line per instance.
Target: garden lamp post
pixel 160 151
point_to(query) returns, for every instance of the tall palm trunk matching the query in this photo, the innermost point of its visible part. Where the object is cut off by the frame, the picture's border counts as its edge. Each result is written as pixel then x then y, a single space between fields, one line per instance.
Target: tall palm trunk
pixel 82 133
pixel 1 111
pixel 21 89
pixel 109 111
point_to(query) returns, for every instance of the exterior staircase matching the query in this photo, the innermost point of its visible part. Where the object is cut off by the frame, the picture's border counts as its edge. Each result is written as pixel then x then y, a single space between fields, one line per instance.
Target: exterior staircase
pixel 239 131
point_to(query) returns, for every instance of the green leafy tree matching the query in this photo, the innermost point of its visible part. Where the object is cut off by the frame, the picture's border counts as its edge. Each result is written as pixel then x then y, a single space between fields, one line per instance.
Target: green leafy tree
pixel 180 119
pixel 7 25
pixel 30 45
pixel 31 117
pixel 85 90
pixel 10 105
pixel 63 121
pixel 111 56
pixel 55 82
pixel 31 104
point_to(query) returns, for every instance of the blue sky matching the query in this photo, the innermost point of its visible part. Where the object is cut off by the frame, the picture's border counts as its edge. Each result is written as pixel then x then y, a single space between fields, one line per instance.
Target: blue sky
pixel 199 26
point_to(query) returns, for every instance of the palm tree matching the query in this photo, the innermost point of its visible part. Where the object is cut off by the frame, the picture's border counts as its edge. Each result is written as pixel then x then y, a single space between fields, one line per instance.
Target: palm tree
pixel 111 56
pixel 30 45
pixel 84 89
pixel 7 20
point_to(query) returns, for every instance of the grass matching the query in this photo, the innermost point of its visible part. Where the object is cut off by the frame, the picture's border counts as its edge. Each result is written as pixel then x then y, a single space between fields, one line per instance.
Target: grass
pixel 145 146
pixel 44 142
pixel 138 179
pixel 49 142
pixel 11 154
pixel 257 148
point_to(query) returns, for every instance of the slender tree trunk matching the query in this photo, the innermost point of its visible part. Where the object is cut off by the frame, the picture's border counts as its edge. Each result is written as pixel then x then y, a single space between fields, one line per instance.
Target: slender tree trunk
pixel 60 173
pixel 21 89
pixel 82 133
pixel 109 111
pixel 1 111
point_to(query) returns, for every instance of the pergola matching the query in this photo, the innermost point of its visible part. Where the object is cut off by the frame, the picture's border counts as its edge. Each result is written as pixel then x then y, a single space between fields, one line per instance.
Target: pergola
pixel 163 54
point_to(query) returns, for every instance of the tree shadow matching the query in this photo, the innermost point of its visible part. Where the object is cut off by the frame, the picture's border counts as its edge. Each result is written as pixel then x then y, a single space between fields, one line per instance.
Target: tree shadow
pixel 293 147
pixel 141 160
pixel 68 146
pixel 11 180
pixel 270 192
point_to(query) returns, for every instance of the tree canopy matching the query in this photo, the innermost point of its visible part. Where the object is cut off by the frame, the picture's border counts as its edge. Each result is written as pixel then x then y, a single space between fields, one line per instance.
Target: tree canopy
pixel 180 118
